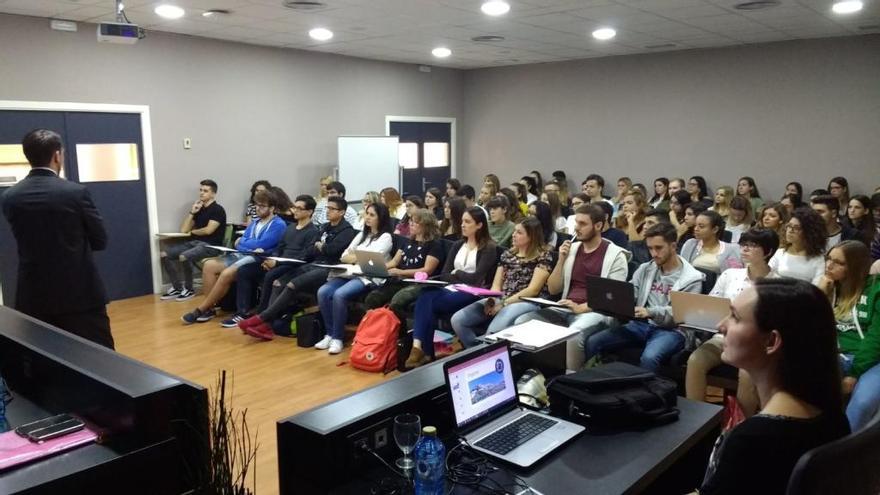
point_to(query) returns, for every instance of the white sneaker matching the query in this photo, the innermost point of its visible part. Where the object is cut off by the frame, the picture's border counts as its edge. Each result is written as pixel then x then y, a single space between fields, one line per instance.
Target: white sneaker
pixel 335 346
pixel 323 343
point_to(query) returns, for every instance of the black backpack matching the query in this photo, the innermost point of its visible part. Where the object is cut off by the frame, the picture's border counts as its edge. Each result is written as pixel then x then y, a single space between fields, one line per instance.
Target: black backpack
pixel 614 395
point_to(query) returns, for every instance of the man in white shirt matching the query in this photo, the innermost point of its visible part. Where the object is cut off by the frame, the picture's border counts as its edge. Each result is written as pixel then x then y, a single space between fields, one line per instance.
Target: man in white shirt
pixel 593 186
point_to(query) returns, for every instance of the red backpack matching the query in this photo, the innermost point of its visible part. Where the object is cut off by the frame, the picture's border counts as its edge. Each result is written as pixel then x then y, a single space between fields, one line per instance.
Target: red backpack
pixel 375 343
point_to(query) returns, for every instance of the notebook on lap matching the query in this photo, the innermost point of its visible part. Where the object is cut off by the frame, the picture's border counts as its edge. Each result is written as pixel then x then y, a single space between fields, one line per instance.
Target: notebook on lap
pixel 699 311
pixel 488 414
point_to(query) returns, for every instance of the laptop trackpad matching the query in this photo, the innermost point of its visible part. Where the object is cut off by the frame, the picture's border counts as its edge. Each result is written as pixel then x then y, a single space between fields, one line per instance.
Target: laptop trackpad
pixel 548 445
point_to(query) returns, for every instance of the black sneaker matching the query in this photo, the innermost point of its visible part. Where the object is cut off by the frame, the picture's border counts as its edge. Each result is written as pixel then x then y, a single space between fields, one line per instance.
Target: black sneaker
pixel 191 317
pixel 171 294
pixel 205 316
pixel 232 322
pixel 185 295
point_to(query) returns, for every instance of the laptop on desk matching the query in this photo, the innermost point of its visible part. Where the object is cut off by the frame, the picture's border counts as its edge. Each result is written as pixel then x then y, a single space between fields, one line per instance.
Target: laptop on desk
pixel 698 311
pixel 611 297
pixel 488 414
pixel 372 264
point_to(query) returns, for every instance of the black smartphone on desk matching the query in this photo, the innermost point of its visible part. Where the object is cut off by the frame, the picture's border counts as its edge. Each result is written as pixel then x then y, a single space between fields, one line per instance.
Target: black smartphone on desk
pixel 49 428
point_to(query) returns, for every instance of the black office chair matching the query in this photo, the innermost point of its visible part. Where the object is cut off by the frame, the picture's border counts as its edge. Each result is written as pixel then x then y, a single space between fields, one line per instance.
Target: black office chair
pixel 709 279
pixel 849 465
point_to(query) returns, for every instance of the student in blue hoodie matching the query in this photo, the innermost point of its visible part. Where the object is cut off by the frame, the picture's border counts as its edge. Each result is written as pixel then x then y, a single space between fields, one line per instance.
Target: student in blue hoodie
pixel 261 235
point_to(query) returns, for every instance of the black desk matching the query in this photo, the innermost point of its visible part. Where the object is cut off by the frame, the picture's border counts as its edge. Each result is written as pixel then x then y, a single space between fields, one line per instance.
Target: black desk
pixel 155 423
pixel 315 454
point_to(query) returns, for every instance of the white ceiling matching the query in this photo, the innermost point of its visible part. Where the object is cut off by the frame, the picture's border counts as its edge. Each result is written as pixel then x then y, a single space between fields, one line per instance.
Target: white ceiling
pixel 535 30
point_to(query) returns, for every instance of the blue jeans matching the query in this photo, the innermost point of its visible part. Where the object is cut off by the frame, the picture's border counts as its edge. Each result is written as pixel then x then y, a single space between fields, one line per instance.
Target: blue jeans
pixel 433 304
pixel 472 320
pixel 865 400
pixel 333 299
pixel 660 343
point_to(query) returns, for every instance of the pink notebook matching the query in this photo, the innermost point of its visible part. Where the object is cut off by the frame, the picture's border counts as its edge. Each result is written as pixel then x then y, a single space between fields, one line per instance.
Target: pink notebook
pixel 477 291
pixel 15 449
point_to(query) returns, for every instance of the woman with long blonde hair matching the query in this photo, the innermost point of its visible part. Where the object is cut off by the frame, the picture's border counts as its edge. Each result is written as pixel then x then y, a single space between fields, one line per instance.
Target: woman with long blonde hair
pixel 723 197
pixel 631 219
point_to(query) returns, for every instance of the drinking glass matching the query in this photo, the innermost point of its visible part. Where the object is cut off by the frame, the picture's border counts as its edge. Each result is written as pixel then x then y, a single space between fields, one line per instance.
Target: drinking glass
pixel 407 430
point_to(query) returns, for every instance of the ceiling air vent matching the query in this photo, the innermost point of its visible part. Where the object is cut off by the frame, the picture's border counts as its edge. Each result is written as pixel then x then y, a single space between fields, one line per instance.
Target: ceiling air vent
pixel 303 4
pixel 757 5
pixel 487 38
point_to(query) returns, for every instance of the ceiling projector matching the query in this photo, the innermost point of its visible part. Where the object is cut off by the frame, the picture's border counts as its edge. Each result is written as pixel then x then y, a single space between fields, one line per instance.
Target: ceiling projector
pixel 119 32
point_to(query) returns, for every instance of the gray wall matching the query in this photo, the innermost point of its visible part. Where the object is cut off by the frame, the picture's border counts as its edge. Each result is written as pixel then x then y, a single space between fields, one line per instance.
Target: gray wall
pixel 803 109
pixel 252 112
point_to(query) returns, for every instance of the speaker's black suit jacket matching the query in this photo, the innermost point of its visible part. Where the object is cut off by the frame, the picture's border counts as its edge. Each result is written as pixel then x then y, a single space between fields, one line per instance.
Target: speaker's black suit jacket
pixel 56 226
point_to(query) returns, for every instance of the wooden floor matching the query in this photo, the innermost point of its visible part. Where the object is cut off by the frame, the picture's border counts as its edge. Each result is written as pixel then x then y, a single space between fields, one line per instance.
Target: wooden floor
pixel 272 380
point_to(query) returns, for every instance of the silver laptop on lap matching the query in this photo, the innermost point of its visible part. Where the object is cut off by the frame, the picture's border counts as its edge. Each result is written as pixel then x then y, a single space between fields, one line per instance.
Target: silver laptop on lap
pixel 372 264
pixel 488 413
pixel 699 311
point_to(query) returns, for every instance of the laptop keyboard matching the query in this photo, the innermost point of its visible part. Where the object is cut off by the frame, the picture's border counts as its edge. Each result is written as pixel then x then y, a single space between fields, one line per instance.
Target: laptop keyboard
pixel 515 434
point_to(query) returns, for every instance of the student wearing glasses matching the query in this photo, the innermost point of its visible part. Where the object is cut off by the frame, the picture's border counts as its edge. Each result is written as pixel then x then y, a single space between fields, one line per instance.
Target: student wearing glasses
pixel 803 255
pixel 335 189
pixel 756 247
pixel 697 188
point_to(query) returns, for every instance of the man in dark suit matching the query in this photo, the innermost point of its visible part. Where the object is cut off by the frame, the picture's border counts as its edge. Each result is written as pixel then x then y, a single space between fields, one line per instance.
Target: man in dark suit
pixel 57 226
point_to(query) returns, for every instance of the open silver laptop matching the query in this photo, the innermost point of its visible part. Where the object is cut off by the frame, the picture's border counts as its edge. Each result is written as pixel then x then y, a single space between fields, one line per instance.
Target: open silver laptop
pixel 488 413
pixel 372 263
pixel 699 311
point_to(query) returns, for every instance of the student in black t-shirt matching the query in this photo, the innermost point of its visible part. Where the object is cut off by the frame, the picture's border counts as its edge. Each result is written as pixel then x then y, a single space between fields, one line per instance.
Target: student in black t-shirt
pixel 422 252
pixel 782 332
pixel 206 225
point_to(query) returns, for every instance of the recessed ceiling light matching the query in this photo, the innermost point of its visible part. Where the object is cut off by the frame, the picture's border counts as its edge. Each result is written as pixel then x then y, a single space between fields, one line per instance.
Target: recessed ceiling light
pixel 495 7
pixel 169 11
pixel 321 34
pixel 604 33
pixel 441 52
pixel 847 6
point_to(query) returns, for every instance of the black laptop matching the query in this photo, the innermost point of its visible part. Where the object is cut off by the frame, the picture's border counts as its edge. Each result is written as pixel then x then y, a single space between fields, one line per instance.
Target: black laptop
pixel 611 297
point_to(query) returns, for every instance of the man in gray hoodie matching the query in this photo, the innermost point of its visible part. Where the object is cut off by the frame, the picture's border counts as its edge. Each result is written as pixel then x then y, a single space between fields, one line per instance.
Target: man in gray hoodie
pixel 654 326
pixel 589 254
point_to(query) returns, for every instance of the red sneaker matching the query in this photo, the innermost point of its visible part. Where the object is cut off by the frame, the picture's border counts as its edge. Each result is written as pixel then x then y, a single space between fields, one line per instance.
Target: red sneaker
pixel 261 331
pixel 250 322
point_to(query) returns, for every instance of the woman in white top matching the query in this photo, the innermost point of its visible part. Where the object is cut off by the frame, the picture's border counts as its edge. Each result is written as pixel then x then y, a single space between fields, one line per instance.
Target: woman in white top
pixel 576 201
pixel 739 218
pixel 392 200
pixel 340 288
pixel 804 256
pixel 757 246
pixel 552 199
pixel 370 198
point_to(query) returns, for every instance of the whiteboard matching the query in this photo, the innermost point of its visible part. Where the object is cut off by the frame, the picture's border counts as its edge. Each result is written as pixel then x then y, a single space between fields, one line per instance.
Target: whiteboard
pixel 368 163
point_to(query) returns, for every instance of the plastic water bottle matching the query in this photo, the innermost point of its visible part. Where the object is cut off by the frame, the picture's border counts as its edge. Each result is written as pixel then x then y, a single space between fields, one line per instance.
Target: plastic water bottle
pixel 430 471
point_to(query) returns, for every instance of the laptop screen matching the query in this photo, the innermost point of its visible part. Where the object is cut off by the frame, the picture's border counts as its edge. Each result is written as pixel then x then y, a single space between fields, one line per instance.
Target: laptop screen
pixel 481 385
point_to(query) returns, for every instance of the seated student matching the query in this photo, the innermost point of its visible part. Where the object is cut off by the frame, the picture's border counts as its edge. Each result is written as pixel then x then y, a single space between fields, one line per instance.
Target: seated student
pixel 654 327
pixel 791 202
pixel 576 201
pixel 283 205
pixel 697 188
pixel 295 244
pixel 469 196
pixel 521 196
pixel 614 235
pixel 492 181
pixel 678 203
pixel 471 261
pixel 747 188
pixel 218 274
pixel 522 272
pixel 660 199
pixel 334 237
pixel 531 188
pixel 413 204
pixel 450 227
pixel 250 210
pixel 590 254
pixel 560 189
pixel 675 185
pixel 875 209
pixel 739 217
pixel 781 332
pixel 775 216
pixel 624 185
pixel 690 218
pixel 552 199
pixel 802 256
pixel 757 246
pixel 593 186
pixel 335 189
pixel 722 199
pixel 500 226
pixel 422 252
pixel 206 224
pixel 838 188
pixel 860 219
pixel 539 181
pixel 855 300
pixel 434 202
pixel 631 216
pixel 826 206
pixel 541 211
pixel 794 188
pixel 335 295
pixel 452 187
pixel 392 200
pixel 639 249
pixel 706 250
pixel 370 198
pixel 487 192
pixel 516 213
